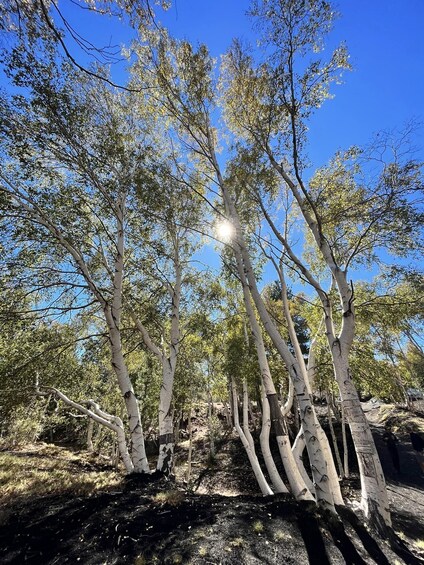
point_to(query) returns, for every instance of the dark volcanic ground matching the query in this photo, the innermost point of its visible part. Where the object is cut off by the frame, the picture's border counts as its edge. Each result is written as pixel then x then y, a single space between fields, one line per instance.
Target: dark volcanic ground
pixel 131 527
pixel 157 521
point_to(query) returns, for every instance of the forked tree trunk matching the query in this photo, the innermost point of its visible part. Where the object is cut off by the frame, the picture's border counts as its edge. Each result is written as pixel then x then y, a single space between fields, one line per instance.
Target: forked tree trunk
pixel 308 416
pixel 101 417
pixel 250 450
pixel 297 485
pixel 307 372
pixel 307 413
pixel 373 486
pixel 374 500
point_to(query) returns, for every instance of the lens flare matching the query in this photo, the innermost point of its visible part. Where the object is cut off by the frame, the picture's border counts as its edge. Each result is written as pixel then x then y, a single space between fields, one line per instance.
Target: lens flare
pixel 225 231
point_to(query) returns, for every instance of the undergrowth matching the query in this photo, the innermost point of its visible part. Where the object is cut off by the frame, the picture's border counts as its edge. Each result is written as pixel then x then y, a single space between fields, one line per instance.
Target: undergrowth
pixel 40 470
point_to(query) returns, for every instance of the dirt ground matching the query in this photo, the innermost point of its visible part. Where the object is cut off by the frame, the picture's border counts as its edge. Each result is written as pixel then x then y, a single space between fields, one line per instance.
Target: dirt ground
pixel 405 489
pixel 211 520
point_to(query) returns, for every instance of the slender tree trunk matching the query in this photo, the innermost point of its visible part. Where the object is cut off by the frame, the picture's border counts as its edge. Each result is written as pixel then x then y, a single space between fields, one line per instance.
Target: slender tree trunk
pixel 246 429
pixel 333 437
pixel 263 485
pixel 90 429
pixel 252 415
pixel 138 451
pixel 227 412
pixel 288 405
pixel 166 423
pixel 298 449
pixel 211 431
pixel 273 473
pixel 113 313
pixel 345 448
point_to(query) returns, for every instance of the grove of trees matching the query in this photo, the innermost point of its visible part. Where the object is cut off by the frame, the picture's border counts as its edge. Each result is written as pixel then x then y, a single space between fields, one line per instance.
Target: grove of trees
pixel 112 197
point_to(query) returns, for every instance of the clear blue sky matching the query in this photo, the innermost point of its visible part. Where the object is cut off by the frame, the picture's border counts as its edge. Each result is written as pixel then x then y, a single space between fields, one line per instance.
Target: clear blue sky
pixel 385 39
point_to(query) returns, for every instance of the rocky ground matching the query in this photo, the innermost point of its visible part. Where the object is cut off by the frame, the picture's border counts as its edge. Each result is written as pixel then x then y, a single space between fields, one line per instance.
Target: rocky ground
pixel 70 509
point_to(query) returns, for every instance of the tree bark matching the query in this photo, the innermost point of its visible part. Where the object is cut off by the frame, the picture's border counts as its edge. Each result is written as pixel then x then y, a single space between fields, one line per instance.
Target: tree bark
pixel 273 473
pixel 250 450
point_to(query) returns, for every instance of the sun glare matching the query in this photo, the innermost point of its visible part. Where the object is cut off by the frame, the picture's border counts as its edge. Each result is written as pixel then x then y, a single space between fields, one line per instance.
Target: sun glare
pixel 225 231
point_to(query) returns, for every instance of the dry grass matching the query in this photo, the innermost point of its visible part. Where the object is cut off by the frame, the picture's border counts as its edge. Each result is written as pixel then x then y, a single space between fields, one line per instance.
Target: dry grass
pixel 40 470
pixel 258 527
pixel 400 419
pixel 419 543
pixel 171 497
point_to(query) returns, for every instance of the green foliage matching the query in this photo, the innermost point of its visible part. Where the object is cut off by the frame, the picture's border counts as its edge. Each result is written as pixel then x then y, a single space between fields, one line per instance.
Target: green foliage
pixel 25 423
pixel 76 153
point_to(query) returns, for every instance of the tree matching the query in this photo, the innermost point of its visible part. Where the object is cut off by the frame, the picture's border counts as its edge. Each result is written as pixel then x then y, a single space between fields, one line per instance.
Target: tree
pixel 345 219
pixel 186 94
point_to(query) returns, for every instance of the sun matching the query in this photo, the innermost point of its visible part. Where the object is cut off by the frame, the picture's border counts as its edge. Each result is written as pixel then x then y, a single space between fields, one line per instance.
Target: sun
pixel 225 231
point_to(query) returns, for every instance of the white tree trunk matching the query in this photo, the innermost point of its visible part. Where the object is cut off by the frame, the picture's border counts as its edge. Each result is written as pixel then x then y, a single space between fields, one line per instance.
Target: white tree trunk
pixel 166 421
pixel 113 314
pixel 307 412
pixel 246 430
pixel 307 372
pixel 90 429
pixel 112 422
pixel 374 493
pixel 273 473
pixel 290 398
pixel 304 396
pixel 211 430
pixel 297 485
pixel 169 364
pixel 263 485
pixel 297 450
pixel 374 499
pixel 333 437
pixel 138 451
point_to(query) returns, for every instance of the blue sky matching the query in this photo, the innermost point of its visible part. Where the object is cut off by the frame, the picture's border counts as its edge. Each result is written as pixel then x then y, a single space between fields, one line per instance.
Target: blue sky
pixel 385 39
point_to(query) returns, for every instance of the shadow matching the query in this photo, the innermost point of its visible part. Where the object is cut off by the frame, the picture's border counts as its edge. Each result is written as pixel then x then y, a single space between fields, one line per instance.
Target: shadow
pixel 367 540
pixel 312 538
pixel 410 473
pixel 406 522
